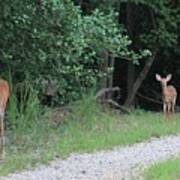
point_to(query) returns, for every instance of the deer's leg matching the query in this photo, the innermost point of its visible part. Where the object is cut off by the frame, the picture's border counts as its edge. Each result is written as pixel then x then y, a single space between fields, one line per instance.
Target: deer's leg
pixel 169 106
pixel 165 109
pixel 173 105
pixel 173 108
pixel 2 138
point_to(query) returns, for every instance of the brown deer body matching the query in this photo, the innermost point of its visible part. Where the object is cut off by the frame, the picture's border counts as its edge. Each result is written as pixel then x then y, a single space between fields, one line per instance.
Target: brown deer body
pixel 169 95
pixel 4 95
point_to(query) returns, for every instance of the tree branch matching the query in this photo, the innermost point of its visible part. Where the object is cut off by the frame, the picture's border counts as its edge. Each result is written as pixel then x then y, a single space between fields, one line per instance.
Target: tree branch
pixel 149 99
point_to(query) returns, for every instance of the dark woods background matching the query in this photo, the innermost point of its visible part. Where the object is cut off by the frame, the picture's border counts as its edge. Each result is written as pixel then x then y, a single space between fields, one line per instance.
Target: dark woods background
pixel 159 21
pixel 70 46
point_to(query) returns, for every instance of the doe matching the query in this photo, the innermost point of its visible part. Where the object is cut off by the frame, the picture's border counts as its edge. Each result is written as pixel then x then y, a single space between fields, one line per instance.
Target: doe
pixel 4 95
pixel 169 95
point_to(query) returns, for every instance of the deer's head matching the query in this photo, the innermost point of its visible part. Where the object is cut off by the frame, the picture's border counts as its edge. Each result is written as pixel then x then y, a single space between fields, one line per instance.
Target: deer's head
pixel 163 81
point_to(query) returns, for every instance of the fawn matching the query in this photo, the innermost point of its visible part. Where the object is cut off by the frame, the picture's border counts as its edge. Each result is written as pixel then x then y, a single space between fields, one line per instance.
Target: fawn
pixel 4 95
pixel 169 95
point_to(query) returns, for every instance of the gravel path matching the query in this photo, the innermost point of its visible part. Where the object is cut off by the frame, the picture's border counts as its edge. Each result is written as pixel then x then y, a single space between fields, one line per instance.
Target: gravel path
pixel 116 164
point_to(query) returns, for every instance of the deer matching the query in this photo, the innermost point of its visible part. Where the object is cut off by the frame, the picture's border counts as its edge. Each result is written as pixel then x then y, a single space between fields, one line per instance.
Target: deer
pixel 169 95
pixel 4 95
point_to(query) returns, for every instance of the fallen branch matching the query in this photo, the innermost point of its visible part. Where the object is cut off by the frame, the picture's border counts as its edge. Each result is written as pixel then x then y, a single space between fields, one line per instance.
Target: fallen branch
pixel 149 99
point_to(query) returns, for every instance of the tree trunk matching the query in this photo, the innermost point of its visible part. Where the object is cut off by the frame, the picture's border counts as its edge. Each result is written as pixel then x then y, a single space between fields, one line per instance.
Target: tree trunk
pixel 130 67
pixel 140 78
pixel 130 80
pixel 103 68
pixel 110 76
pixel 106 81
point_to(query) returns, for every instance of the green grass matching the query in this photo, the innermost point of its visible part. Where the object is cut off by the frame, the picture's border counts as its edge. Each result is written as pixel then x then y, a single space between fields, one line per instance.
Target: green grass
pixel 110 130
pixel 167 170
pixel 86 128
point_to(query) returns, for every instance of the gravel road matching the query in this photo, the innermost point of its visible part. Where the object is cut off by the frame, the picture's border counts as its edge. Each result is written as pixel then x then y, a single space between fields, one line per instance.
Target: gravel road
pixel 120 163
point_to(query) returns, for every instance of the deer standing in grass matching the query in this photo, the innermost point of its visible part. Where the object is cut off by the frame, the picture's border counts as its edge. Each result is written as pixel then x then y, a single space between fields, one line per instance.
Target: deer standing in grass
pixel 4 95
pixel 169 95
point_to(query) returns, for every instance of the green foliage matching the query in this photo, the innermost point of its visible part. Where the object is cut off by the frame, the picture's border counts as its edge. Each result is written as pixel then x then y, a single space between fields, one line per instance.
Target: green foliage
pixel 56 41
pixel 161 23
pixel 157 21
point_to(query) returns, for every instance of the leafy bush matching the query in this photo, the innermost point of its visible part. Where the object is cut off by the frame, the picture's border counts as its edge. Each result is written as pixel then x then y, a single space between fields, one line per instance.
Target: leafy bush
pixel 54 40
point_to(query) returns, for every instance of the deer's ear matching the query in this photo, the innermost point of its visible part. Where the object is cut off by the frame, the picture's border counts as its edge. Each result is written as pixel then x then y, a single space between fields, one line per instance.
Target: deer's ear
pixel 169 76
pixel 158 77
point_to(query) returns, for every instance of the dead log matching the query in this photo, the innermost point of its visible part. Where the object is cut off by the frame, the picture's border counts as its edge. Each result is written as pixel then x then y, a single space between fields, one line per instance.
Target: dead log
pixel 102 97
pixel 103 93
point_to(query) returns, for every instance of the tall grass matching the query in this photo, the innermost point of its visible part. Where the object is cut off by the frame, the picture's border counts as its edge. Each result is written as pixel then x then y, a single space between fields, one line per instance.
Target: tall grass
pixel 24 107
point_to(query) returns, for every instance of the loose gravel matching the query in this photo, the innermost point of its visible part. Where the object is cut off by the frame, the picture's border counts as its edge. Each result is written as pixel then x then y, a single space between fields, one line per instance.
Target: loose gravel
pixel 120 163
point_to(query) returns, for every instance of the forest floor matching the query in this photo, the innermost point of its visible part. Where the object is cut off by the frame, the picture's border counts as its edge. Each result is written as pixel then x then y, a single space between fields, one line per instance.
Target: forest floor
pixel 127 162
